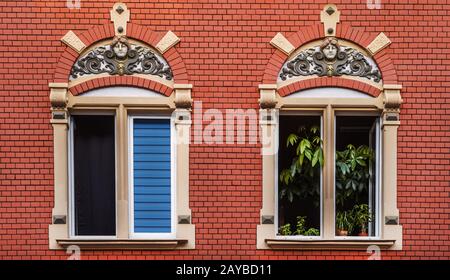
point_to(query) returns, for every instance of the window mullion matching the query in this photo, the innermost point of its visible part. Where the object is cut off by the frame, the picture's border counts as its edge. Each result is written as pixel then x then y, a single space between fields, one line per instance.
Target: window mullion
pixel 122 173
pixel 328 174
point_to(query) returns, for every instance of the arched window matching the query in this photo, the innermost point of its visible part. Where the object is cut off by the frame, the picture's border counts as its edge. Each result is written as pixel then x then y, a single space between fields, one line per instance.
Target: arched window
pixel 121 143
pixel 329 125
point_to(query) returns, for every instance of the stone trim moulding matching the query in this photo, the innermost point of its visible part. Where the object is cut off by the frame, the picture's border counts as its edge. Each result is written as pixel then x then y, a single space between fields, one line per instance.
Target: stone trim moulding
pixel 63 102
pixel 58 95
pixel 72 40
pixel 388 104
pixel 360 245
pixel 329 17
pixel 123 244
pixel 169 40
pixel 268 98
pixel 120 16
pixel 379 43
pixel 183 99
pixel 280 42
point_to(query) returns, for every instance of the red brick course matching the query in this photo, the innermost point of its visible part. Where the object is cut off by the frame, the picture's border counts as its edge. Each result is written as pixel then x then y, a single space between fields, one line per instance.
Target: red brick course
pixel 225 51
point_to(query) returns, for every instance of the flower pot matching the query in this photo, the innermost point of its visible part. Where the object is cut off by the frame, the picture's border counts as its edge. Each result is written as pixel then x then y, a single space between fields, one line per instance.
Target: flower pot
pixel 341 232
pixel 363 233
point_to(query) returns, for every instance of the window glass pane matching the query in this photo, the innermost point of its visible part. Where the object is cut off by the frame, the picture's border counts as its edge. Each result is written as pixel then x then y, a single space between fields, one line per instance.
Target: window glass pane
pixel 94 175
pixel 299 184
pixel 356 175
pixel 152 176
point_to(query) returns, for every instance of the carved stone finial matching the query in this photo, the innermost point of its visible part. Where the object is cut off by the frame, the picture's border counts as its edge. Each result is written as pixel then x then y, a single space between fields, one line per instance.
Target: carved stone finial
pixel 329 16
pixel 120 15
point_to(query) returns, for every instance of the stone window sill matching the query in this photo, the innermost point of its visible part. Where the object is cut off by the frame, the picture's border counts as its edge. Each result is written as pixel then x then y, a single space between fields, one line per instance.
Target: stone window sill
pixel 123 244
pixel 284 244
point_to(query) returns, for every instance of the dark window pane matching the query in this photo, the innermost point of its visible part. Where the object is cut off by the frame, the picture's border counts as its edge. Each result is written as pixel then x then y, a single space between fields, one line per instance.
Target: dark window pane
pixel 356 194
pixel 94 175
pixel 299 197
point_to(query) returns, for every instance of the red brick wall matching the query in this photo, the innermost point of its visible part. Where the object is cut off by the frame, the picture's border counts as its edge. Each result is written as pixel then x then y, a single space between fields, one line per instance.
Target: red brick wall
pixel 225 49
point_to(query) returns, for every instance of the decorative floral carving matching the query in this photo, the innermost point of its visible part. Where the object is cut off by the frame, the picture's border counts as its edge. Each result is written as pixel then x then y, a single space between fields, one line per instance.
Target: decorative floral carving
pixel 331 59
pixel 121 58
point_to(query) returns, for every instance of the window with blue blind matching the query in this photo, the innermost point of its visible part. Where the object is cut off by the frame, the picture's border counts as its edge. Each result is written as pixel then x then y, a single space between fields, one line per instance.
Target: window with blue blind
pixel 152 195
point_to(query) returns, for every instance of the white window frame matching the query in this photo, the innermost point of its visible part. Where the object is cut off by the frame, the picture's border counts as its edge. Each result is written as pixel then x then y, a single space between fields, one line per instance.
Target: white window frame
pixel 387 106
pixel 173 190
pixel 378 190
pixel 277 180
pixel 71 217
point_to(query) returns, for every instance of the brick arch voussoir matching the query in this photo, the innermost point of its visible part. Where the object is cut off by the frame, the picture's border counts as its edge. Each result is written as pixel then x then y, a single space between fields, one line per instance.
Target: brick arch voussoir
pixel 121 81
pixel 329 82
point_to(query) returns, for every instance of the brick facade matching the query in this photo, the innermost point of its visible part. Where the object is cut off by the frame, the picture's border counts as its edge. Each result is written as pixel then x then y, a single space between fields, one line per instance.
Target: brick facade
pixel 225 53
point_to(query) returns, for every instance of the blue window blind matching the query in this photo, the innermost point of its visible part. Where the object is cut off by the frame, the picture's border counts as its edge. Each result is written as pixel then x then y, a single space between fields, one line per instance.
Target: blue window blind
pixel 152 176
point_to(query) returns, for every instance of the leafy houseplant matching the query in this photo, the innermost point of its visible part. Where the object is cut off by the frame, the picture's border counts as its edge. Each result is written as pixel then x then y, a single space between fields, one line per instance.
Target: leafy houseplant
pixel 300 179
pixel 344 223
pixel 362 216
pixel 352 173
pixel 300 228
pixel 352 180
pixel 285 229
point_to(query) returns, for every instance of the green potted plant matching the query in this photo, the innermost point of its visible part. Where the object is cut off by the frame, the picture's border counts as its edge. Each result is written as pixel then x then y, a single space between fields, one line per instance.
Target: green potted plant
pixel 362 216
pixel 285 230
pixel 352 173
pixel 299 180
pixel 344 223
pixel 300 228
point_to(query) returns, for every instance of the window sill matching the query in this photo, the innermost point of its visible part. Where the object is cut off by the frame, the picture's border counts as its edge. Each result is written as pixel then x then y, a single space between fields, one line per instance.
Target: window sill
pixel 123 244
pixel 286 244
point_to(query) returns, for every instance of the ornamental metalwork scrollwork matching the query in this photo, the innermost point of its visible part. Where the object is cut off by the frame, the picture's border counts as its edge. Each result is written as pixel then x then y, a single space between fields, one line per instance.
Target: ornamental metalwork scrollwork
pixel 120 58
pixel 331 59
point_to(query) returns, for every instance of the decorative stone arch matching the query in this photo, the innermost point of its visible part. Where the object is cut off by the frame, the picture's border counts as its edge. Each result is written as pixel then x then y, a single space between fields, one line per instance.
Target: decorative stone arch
pixel 164 43
pixel 299 64
pixel 374 43
pixel 143 59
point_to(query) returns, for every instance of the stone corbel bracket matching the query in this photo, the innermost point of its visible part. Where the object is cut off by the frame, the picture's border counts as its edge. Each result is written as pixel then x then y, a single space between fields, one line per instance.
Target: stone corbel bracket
pixel 268 96
pixel 183 99
pixel 392 100
pixel 58 100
